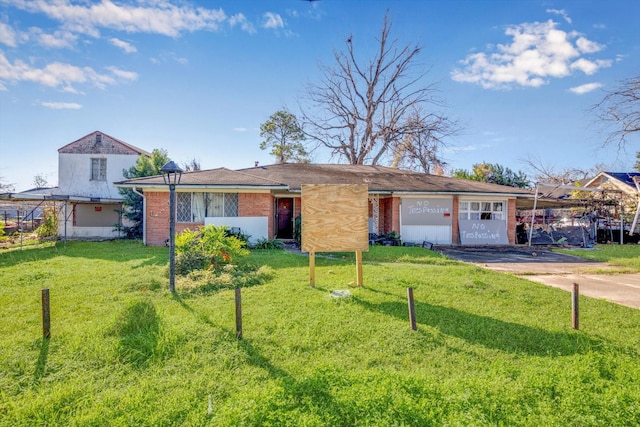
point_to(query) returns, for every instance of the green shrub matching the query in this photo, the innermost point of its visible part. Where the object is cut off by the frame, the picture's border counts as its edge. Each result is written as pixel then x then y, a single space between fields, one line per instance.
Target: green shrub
pixel 189 261
pixel 1 228
pixel 272 243
pixel 229 277
pixel 236 232
pixel 297 230
pixel 49 225
pixel 214 243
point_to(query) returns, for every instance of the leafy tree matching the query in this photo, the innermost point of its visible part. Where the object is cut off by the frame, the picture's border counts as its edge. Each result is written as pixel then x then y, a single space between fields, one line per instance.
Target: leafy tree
pixel 619 111
pixel 360 109
pixel 494 174
pixel 145 166
pixel 637 165
pixel 283 134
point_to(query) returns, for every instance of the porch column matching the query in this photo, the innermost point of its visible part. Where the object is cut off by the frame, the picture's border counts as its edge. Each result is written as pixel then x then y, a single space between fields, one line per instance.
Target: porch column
pixel 375 211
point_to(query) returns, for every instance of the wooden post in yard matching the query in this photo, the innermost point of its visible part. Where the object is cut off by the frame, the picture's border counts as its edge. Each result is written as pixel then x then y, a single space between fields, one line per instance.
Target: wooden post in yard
pixel 46 315
pixel 312 269
pixel 412 309
pixel 575 312
pixel 238 314
pixel 359 268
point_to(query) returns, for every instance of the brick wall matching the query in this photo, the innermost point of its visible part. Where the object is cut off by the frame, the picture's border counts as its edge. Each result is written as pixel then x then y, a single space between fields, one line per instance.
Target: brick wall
pixel 257 204
pixel 157 214
pixel 395 214
pixel 157 218
pixel 455 230
pixel 511 221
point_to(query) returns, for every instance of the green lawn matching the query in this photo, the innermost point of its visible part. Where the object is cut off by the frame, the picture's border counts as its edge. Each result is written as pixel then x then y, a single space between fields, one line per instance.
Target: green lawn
pixel 490 349
pixel 621 255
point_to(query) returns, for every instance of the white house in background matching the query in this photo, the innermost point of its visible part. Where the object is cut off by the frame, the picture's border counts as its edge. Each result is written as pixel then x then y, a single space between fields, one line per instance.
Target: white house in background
pixel 87 169
pixel 88 204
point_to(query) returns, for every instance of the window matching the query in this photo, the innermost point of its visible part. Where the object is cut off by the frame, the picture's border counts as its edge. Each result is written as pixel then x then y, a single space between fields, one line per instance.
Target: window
pixel 481 210
pixel 98 169
pixel 195 207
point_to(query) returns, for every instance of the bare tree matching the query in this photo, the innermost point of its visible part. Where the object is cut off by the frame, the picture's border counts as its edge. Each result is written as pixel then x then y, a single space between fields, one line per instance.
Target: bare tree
pixel 191 165
pixel 40 181
pixel 619 111
pixel 5 187
pixel 420 146
pixel 549 174
pixel 359 110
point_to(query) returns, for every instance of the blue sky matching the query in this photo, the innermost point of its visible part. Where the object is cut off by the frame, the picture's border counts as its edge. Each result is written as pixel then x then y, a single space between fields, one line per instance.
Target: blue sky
pixel 197 78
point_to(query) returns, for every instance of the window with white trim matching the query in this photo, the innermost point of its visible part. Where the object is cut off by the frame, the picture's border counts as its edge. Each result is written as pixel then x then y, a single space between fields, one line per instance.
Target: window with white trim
pixel 195 207
pixel 477 210
pixel 98 170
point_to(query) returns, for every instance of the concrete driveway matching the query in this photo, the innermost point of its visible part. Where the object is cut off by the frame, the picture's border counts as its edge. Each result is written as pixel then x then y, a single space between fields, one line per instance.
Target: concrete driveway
pixel 555 269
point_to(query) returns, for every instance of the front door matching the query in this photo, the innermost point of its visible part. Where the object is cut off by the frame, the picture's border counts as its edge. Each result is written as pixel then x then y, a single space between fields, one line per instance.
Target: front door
pixel 284 213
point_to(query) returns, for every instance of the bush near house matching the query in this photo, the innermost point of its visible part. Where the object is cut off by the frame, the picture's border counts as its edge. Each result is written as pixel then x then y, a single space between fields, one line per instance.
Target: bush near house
pixel 209 247
pixel 49 225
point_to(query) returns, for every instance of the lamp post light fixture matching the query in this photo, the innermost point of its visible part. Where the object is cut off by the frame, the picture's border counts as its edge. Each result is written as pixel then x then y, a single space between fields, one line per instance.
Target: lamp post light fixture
pixel 171 173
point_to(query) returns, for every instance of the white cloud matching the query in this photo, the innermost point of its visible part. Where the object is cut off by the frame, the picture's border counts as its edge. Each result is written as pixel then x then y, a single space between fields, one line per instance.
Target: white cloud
pixel 7 35
pixel 126 47
pixel 590 67
pixel 126 75
pixel 459 149
pixel 157 17
pixel 59 75
pixel 560 12
pixel 240 129
pixel 241 20
pixel 165 57
pixel 588 46
pixel 57 40
pixel 273 21
pixel 537 52
pixel 586 88
pixel 62 105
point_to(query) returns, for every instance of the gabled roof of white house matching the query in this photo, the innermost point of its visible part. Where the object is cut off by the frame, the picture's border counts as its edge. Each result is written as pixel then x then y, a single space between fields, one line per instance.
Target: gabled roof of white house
pixel 623 181
pixel 100 143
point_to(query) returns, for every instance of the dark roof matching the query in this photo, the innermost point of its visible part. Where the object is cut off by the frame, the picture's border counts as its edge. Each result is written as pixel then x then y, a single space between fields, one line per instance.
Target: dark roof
pixel 221 177
pixel 379 178
pixel 291 177
pixel 626 177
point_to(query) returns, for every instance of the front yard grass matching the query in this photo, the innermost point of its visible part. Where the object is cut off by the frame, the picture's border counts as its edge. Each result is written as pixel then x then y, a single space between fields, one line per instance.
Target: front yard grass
pixel 627 256
pixel 490 349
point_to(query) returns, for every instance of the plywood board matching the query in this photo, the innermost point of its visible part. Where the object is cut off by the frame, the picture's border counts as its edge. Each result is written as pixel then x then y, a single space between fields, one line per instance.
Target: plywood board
pixel 335 218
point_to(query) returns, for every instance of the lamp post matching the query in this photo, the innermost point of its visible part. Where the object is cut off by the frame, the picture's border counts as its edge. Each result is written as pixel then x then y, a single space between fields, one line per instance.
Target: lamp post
pixel 171 173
